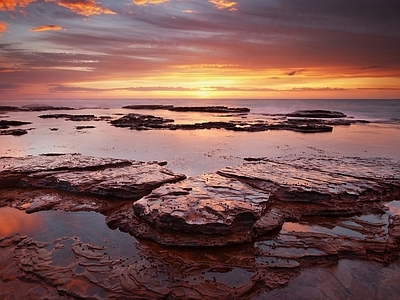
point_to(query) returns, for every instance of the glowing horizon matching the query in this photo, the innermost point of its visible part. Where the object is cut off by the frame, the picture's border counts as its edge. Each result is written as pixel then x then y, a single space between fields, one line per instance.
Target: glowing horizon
pixel 61 49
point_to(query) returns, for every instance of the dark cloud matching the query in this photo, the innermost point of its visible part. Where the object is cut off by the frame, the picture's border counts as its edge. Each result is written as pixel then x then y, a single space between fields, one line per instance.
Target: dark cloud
pixel 9 86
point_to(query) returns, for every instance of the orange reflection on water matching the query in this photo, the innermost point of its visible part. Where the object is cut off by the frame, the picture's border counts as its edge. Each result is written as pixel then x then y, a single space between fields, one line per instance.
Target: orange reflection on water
pixel 394 207
pixel 14 221
pixel 290 226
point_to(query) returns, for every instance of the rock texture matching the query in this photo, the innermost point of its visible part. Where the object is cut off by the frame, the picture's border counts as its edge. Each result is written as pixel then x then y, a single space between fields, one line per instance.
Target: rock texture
pixel 206 210
pixel 85 174
pixel 274 218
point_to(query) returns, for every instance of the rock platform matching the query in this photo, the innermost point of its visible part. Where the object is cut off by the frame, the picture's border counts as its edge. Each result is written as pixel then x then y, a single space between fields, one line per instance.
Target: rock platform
pixel 228 235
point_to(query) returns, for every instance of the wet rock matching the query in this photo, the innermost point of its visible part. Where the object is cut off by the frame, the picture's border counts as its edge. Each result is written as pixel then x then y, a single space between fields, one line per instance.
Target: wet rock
pixel 15 132
pixel 148 106
pixel 5 124
pixel 68 117
pixel 85 174
pixel 206 109
pixel 149 122
pixel 394 226
pixel 84 127
pixel 206 210
pixel 316 114
pixel 210 109
pixel 140 122
pixel 325 181
pixel 43 107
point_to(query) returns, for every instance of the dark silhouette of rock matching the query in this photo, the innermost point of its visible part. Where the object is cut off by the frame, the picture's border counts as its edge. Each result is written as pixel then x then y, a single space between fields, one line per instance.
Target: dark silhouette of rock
pixel 15 132
pixel 149 122
pixel 210 109
pixel 148 106
pixel 317 114
pixel 5 124
pixel 141 122
pixel 68 117
pixel 84 127
pixel 206 109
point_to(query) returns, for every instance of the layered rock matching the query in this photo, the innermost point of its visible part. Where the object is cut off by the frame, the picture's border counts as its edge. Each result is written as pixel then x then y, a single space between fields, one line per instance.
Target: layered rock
pixel 85 174
pixel 207 210
pixel 287 214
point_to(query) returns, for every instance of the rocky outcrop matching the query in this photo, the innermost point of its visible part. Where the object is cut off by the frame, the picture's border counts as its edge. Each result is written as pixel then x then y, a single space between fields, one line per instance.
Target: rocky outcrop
pixel 5 124
pixel 316 114
pixel 207 210
pixel 274 218
pixel 206 109
pixel 255 199
pixel 84 174
pixel 141 122
pixel 68 117
pixel 149 122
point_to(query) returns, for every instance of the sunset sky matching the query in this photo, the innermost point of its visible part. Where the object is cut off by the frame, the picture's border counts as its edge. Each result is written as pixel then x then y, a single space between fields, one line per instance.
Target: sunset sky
pixel 71 49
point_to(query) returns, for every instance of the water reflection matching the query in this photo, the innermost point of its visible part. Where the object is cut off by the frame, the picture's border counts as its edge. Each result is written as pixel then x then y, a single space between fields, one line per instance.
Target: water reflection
pixel 14 221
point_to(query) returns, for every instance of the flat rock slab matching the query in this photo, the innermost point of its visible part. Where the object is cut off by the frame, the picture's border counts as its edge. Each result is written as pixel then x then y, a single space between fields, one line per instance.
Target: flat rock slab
pixel 214 210
pixel 322 181
pixel 85 174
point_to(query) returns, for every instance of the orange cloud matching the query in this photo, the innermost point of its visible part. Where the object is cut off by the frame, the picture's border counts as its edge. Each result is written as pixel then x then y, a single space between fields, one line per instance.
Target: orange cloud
pixel 3 27
pixel 83 7
pixel 12 4
pixel 224 4
pixel 46 28
pixel 145 2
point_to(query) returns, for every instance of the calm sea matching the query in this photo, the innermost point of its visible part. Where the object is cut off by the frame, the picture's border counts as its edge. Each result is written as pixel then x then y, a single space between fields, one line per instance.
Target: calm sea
pixel 384 110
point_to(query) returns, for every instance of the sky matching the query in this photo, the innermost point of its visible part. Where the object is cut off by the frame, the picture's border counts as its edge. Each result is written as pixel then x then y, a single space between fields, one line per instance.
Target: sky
pixel 268 49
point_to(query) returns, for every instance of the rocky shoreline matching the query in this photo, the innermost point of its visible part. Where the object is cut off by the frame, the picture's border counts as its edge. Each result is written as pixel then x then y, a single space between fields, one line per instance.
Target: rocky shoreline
pixel 267 218
pixel 306 121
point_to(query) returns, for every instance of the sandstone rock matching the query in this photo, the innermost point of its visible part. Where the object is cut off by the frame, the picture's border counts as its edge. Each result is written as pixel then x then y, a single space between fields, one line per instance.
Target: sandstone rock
pixel 209 209
pixel 85 174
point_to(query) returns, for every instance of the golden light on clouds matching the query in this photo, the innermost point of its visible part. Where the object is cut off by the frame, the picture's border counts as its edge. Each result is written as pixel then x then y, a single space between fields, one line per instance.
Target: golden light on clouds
pixel 47 28
pixel 224 4
pixel 198 48
pixel 83 7
pixel 145 2
pixel 12 4
pixel 3 26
